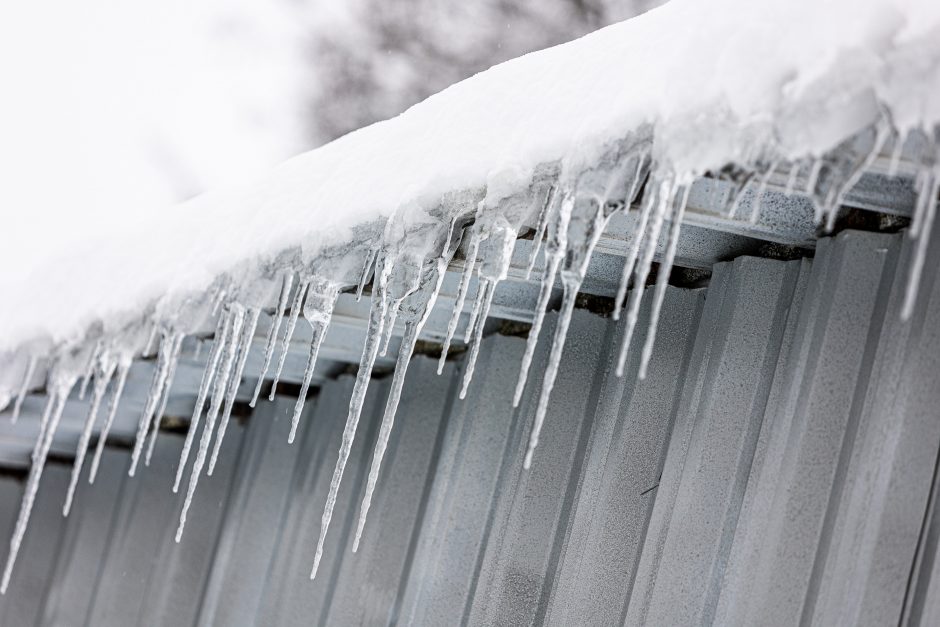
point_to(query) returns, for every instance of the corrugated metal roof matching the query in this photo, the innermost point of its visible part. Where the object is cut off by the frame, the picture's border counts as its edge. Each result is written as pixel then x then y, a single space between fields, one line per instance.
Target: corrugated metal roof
pixel 777 464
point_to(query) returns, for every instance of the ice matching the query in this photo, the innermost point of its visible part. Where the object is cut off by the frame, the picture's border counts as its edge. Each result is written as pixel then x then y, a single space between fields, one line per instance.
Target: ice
pixel 318 310
pixel 928 187
pixel 24 388
pixel 761 190
pixel 662 202
pixel 630 260
pixel 208 374
pixel 295 309
pixel 366 270
pixel 230 343
pixel 544 216
pixel 175 347
pixel 105 365
pixel 160 373
pixel 244 347
pixel 287 283
pixel 124 366
pixel 662 278
pixel 469 264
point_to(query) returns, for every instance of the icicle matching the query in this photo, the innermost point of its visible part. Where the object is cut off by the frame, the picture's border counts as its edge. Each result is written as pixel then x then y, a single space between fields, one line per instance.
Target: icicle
pixel 665 198
pixel 390 326
pixel 55 406
pixel 237 317
pixel 295 308
pixel 272 334
pixel 761 190
pixel 105 370
pixel 540 230
pixel 366 268
pixel 153 397
pixel 551 371
pixel 554 253
pixel 123 368
pixel 474 313
pixel 24 388
pixel 244 348
pixel 318 310
pixel 632 252
pixel 369 352
pixel 207 376
pixel 485 299
pixel 176 346
pixel 662 279
pixel 469 264
pixel 855 168
pixel 923 219
pixel 416 308
pixel 89 369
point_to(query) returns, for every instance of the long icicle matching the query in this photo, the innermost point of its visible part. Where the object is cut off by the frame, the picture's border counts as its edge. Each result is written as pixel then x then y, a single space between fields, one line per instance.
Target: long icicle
pixel 545 293
pixel 248 335
pixel 295 309
pixel 89 370
pixel 662 279
pixel 642 272
pixel 369 353
pixel 551 371
pixel 165 395
pixel 123 368
pixel 554 253
pixel 417 317
pixel 390 326
pixel 366 267
pixel 207 376
pixel 319 320
pixel 40 453
pixel 487 288
pixel 105 370
pixel 237 319
pixel 469 264
pixel 388 419
pixel 272 334
pixel 475 312
pixel 630 260
pixel 24 388
pixel 153 397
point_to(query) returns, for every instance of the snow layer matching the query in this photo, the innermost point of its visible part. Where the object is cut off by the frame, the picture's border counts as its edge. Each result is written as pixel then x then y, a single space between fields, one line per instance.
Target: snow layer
pixel 719 81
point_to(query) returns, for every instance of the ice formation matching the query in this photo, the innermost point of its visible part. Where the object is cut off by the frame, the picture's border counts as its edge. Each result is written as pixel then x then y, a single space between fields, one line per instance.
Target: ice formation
pixel 430 196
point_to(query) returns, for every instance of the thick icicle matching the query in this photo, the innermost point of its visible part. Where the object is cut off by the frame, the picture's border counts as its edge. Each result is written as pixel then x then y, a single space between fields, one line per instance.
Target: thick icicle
pixel 272 334
pixel 24 388
pixel 207 376
pixel 295 309
pixel 369 353
pixel 237 318
pixel 554 252
pixel 123 368
pixel 632 253
pixel 465 278
pixel 103 372
pixel 662 279
pixel 664 200
pixel 153 397
pixel 175 348
pixel 248 335
pixel 415 310
pixel 318 310
pixel 55 406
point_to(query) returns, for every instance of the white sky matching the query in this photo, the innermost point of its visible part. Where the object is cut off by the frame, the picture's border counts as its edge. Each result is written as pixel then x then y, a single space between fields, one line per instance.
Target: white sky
pixel 117 107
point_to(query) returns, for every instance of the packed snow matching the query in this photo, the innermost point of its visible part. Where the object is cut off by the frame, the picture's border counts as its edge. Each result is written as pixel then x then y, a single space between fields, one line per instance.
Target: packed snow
pixel 560 141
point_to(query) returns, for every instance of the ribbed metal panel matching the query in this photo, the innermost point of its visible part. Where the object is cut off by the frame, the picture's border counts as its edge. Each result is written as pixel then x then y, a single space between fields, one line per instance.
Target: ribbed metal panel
pixel 777 466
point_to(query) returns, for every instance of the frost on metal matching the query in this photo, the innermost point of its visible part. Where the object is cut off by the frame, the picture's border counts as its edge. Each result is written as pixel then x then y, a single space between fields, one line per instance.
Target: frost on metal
pixel 567 203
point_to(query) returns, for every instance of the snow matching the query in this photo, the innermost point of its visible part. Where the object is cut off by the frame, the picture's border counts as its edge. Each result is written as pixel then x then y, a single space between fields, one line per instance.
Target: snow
pixel 719 81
